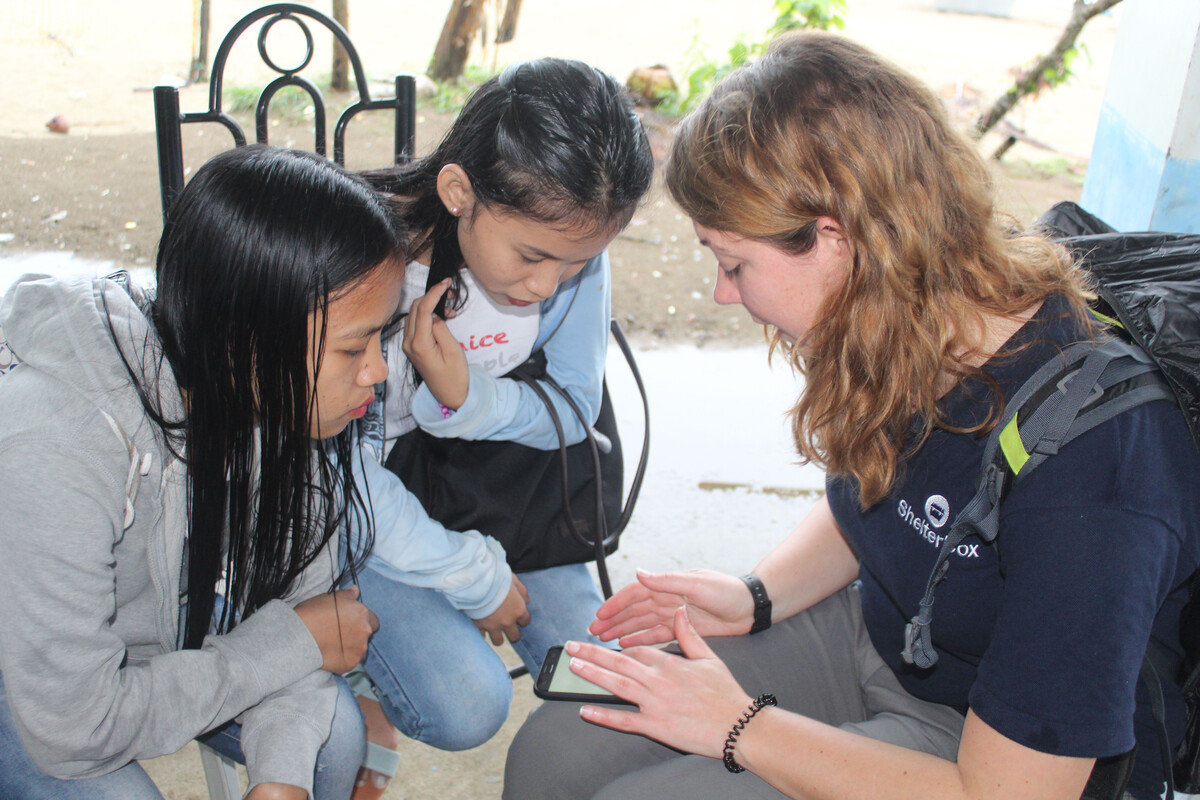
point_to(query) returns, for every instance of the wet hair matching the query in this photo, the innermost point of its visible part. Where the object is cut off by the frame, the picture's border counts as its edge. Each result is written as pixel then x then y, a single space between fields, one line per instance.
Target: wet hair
pixel 822 127
pixel 258 240
pixel 554 141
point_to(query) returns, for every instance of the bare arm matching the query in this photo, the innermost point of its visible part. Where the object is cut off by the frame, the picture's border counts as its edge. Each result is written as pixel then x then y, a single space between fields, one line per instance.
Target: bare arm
pixel 691 702
pixel 799 756
pixel 813 562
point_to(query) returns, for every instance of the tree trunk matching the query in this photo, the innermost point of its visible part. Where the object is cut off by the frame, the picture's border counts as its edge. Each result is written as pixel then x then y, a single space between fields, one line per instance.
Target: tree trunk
pixel 199 69
pixel 1029 80
pixel 454 45
pixel 341 63
pixel 507 29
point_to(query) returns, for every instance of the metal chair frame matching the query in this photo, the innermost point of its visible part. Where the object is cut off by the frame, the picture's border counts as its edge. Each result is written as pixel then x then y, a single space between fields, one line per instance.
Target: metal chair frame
pixel 168 119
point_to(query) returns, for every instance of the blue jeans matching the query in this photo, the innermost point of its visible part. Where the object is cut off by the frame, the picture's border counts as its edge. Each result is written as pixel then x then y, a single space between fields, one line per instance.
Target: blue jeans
pixel 21 779
pixel 438 680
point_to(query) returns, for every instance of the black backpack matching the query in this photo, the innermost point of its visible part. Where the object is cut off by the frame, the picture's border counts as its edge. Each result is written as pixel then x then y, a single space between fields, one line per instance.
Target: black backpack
pixel 1149 290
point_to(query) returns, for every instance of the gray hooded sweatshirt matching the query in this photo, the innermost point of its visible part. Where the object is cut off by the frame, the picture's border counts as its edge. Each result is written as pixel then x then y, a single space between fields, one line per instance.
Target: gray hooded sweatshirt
pixel 93 522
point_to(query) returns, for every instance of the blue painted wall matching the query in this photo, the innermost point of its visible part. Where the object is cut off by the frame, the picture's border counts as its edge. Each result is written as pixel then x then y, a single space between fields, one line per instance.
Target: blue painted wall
pixel 1123 174
pixel 1144 172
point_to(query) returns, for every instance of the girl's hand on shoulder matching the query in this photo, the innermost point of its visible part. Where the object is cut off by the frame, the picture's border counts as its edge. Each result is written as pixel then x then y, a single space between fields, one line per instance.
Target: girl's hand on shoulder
pixel 644 612
pixel 687 702
pixel 435 352
pixel 510 617
pixel 341 626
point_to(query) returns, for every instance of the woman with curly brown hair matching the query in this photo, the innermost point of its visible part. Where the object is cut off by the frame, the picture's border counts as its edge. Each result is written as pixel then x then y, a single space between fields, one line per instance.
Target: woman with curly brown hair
pixel 851 219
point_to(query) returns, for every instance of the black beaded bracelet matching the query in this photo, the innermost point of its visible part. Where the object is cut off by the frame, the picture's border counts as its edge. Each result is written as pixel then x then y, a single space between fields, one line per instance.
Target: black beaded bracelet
pixel 759 703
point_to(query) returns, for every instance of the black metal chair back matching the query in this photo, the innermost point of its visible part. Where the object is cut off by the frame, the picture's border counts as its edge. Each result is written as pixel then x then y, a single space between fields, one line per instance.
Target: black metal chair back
pixel 168 120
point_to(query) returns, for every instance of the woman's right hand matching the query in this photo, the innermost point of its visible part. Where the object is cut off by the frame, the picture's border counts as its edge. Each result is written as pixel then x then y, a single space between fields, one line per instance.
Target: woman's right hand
pixel 341 626
pixel 644 612
pixel 433 350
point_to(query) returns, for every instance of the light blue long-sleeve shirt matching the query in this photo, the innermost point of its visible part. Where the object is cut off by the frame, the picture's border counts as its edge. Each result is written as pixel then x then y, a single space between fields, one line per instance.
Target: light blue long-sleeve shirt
pixel 469 568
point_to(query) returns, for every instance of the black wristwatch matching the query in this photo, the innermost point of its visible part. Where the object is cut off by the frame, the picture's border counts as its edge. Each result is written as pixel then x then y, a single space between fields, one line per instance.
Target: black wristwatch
pixel 762 603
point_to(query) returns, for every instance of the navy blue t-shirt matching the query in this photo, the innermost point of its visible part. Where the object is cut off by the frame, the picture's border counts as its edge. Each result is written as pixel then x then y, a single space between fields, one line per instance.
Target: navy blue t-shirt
pixel 1042 633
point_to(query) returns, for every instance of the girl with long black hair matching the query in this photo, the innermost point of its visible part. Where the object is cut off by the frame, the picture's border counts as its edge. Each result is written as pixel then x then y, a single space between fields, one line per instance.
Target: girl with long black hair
pixel 174 470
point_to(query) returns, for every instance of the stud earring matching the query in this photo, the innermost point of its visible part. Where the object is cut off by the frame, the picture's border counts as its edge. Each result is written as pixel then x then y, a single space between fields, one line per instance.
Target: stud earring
pixel 454 210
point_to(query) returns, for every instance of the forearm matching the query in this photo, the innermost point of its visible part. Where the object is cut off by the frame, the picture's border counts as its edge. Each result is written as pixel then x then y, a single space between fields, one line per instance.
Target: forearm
pixel 804 758
pixel 807 759
pixel 282 735
pixel 63 656
pixel 812 563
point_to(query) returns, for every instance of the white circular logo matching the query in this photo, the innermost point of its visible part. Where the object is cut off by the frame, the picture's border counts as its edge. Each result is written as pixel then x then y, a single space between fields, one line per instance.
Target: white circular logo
pixel 937 510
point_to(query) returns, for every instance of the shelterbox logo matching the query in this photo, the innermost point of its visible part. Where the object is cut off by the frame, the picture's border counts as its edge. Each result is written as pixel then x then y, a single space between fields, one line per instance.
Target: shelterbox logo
pixel 937 514
pixel 937 510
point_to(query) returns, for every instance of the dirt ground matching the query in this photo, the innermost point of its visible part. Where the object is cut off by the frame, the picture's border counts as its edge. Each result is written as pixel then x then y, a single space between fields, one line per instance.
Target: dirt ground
pixel 97 196
pixel 94 191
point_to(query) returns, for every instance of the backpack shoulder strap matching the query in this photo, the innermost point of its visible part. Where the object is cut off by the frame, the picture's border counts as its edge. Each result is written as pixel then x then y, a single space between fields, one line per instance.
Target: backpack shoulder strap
pixel 1087 384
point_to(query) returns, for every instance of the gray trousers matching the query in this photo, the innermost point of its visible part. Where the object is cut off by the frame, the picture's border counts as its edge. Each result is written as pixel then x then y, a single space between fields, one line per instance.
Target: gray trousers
pixel 820 663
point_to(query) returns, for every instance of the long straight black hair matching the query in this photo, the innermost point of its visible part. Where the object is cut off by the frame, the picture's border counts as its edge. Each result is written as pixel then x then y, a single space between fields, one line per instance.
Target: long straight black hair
pixel 258 240
pixel 552 140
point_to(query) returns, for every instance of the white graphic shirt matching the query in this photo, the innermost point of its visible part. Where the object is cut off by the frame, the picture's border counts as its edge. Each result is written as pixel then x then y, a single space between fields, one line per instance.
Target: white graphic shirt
pixel 493 336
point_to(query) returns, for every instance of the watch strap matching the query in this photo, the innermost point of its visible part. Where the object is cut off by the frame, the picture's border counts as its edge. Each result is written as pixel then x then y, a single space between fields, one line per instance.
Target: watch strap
pixel 762 602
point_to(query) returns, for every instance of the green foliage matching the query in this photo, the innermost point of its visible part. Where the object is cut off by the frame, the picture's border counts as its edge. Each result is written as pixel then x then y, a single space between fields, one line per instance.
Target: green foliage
pixel 1046 168
pixel 707 73
pixel 451 95
pixel 790 15
pixel 290 104
pixel 1053 77
pixel 795 14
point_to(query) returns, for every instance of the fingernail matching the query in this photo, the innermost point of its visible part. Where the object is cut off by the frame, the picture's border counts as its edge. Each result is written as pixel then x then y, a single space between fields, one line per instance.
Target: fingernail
pixel 641 571
pixel 572 647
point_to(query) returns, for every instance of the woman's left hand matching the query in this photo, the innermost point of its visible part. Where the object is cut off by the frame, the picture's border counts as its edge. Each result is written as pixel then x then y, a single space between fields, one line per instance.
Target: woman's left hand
pixel 435 352
pixel 688 703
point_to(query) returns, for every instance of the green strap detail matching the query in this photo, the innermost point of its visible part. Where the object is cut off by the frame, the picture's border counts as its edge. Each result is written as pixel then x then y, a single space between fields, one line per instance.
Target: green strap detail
pixel 1012 447
pixel 1107 320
